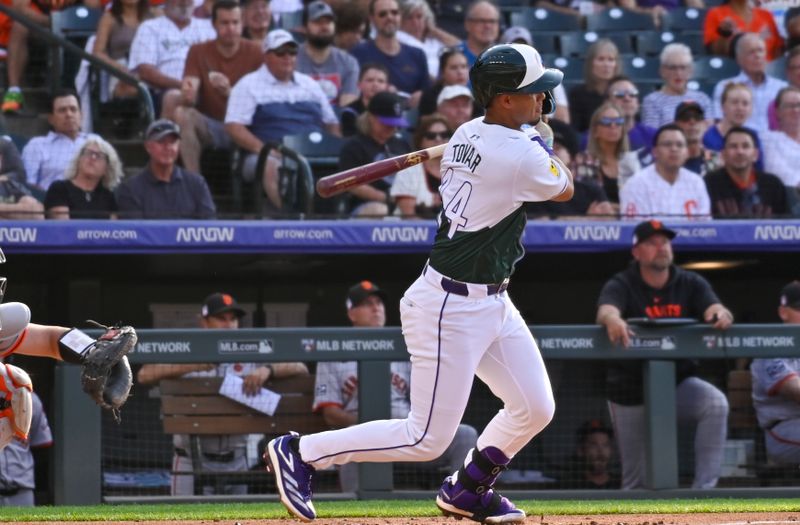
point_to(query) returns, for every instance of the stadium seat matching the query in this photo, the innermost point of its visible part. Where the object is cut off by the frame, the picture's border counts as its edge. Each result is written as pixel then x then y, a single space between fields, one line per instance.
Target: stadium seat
pixel 76 24
pixel 321 152
pixel 618 19
pixel 650 43
pixel 713 69
pixel 572 68
pixel 641 68
pixel 539 20
pixel 545 43
pixel 576 44
pixel 289 20
pixel 694 40
pixel 679 19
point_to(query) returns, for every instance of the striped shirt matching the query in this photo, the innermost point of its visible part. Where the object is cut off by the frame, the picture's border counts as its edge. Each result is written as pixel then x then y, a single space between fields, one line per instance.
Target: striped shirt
pixel 162 44
pixel 46 158
pixel 647 194
pixel 658 108
pixel 763 95
pixel 781 156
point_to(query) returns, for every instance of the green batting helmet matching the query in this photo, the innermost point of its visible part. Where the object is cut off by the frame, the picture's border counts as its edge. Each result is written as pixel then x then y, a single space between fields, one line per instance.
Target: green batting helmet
pixel 513 68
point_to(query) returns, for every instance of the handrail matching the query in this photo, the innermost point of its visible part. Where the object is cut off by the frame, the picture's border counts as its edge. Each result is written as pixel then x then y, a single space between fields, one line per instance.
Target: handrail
pixel 59 41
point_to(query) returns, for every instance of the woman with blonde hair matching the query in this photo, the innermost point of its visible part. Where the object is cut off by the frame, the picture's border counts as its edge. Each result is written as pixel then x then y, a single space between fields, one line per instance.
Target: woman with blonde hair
pixel 86 192
pixel 607 160
pixel 602 65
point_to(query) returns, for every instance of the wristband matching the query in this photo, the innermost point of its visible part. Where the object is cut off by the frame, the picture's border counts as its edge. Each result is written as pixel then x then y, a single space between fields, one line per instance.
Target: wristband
pixel 73 344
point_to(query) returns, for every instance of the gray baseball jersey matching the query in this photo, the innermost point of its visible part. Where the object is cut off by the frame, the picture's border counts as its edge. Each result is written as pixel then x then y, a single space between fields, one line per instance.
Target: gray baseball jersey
pixel 768 375
pixel 332 376
pixel 16 460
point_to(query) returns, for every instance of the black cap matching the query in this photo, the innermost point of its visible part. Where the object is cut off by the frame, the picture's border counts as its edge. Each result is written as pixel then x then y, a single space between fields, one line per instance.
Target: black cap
pixel 161 128
pixel 318 9
pixel 359 293
pixel 645 230
pixel 687 108
pixel 790 295
pixel 388 107
pixel 592 426
pixel 219 303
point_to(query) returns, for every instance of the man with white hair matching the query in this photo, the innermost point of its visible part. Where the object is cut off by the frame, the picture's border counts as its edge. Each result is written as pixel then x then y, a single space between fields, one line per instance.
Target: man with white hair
pixel 751 55
pixel 676 68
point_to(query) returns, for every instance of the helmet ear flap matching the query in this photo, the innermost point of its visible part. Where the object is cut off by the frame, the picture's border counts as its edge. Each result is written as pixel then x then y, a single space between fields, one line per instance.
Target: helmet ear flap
pixel 549 104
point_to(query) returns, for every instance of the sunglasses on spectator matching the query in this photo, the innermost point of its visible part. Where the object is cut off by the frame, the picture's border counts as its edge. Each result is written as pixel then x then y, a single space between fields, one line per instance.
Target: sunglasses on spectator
pixel 626 93
pixel 387 12
pixel 94 155
pixel 283 52
pixel 434 135
pixel 611 121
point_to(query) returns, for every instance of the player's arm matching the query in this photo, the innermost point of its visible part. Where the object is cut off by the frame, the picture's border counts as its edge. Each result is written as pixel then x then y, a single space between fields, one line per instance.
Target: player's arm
pixel 337 417
pixel 720 317
pixel 153 373
pixel 39 340
pixel 569 190
pixel 790 388
pixel 618 330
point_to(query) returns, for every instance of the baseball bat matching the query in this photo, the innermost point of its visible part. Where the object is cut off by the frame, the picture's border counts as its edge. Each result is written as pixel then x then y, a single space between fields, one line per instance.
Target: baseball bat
pixel 344 180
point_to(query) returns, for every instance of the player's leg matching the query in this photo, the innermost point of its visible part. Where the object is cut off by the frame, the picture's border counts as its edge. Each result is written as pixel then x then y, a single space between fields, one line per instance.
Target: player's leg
pixel 514 371
pixel 182 476
pixel 701 403
pixel 628 421
pixel 783 442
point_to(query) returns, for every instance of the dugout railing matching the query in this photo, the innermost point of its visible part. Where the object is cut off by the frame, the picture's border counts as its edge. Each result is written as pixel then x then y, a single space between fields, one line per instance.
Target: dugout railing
pixel 77 468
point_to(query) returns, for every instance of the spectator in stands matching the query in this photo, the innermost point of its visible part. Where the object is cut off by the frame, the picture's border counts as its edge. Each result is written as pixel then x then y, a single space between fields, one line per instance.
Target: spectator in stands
pixel 351 23
pixel 373 78
pixel 16 198
pixel 336 390
pixel 653 287
pixel 164 190
pixel 590 465
pixel 17 56
pixel 257 19
pixel 737 106
pixel 16 460
pixel 203 10
pixel 792 77
pixel 115 32
pixel 690 118
pixel 739 190
pixel 407 65
pixel 724 22
pixel 782 147
pixel 159 50
pixel 602 65
pixel 751 57
pixel 608 161
pixel 87 189
pixel 221 453
pixel 453 70
pixel 776 390
pixel 791 22
pixel 335 70
pixel 419 29
pixel 625 95
pixel 415 190
pixel 456 104
pixel 658 108
pixel 666 188
pixel 272 102
pixel 482 23
pixel 376 140
pixel 589 200
pixel 212 69
pixel 46 157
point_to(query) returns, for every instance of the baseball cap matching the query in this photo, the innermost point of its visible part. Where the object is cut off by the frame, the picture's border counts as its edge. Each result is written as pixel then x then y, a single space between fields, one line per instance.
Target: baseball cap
pixel 592 426
pixel 318 9
pixel 687 108
pixel 454 91
pixel 388 107
pixel 359 293
pixel 645 230
pixel 514 33
pixel 277 38
pixel 219 303
pixel 790 295
pixel 158 129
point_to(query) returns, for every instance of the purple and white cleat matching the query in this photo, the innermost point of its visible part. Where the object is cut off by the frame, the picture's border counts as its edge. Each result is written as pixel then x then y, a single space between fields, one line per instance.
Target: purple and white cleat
pixel 487 507
pixel 292 476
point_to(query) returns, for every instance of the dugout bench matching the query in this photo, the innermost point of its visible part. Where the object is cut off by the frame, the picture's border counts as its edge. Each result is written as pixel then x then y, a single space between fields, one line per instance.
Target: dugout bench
pixel 195 407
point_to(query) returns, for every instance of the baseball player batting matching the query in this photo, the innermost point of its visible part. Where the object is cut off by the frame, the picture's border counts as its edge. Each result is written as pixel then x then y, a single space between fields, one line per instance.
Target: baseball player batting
pixel 458 321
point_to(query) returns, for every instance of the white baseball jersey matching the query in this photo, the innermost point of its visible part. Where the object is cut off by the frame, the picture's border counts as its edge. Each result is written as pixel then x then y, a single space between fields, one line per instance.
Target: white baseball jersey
pixel 160 43
pixel 768 375
pixel 330 387
pixel 483 219
pixel 647 194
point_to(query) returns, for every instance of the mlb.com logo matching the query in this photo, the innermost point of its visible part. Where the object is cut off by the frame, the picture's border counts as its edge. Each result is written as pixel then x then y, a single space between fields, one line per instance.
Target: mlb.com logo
pixel 205 234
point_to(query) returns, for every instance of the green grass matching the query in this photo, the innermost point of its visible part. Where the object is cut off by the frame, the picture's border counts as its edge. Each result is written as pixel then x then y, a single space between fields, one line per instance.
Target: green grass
pixel 373 509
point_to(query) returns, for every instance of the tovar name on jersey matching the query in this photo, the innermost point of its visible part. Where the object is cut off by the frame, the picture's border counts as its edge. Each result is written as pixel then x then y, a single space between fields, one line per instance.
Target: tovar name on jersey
pixel 466 154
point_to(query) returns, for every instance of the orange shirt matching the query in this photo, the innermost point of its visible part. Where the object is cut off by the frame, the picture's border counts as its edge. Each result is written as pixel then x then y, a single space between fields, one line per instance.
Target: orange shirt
pixel 762 23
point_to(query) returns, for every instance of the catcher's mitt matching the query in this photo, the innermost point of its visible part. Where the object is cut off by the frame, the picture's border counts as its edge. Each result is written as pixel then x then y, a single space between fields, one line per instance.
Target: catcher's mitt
pixel 106 374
